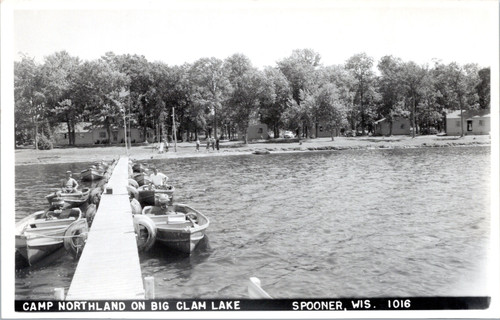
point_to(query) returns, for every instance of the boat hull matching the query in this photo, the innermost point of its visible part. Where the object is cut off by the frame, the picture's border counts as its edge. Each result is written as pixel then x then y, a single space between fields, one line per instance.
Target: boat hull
pixel 37 237
pixel 71 199
pixel 177 232
pixel 91 175
pixel 34 253
pixel 182 241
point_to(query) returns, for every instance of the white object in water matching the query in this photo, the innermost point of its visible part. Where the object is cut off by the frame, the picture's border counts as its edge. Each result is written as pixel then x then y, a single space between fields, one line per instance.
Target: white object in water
pixel 255 291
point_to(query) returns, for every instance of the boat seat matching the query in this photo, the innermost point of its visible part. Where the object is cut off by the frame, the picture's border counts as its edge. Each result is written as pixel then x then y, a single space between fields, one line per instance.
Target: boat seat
pixel 72 213
pixel 176 219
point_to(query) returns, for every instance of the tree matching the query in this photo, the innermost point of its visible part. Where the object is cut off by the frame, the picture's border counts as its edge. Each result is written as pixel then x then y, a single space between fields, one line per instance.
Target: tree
pixel 390 88
pixel 139 80
pixel 276 97
pixel 60 74
pixel 483 88
pixel 107 93
pixel 346 86
pixel 210 85
pixel 246 89
pixel 300 70
pixel 461 83
pixel 413 79
pixel 30 100
pixel 360 67
pixel 330 108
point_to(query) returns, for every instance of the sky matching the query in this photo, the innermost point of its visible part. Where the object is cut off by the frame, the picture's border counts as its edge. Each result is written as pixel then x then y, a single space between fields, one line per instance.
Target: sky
pixel 267 31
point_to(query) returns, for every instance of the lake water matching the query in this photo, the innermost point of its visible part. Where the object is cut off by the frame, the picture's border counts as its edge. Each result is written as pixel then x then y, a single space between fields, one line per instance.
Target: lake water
pixel 372 223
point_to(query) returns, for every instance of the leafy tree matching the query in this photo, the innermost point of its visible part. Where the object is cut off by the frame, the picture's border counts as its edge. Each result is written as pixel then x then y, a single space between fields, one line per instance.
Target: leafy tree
pixel 107 94
pixel 209 86
pixel 275 98
pixel 60 74
pixel 360 67
pixel 390 88
pixel 300 70
pixel 346 86
pixel 483 88
pixel 139 80
pixel 461 82
pixel 330 108
pixel 246 89
pixel 413 80
pixel 30 100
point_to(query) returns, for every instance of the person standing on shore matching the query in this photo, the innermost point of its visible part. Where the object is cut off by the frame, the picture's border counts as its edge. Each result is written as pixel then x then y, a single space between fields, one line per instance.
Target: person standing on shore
pixel 208 144
pixel 197 145
pixel 217 144
pixel 69 184
pixel 212 142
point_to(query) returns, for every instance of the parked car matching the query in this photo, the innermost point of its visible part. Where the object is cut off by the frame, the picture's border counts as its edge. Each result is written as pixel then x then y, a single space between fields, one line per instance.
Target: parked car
pixel 431 131
pixel 350 133
pixel 288 135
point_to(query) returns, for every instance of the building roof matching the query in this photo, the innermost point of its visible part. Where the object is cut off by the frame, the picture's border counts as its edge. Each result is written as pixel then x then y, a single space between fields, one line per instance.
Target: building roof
pixel 83 127
pixel 395 118
pixel 455 114
pixel 80 127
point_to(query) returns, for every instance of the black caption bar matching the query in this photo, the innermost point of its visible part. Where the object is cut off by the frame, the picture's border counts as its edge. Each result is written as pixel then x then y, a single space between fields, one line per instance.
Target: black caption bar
pixel 344 304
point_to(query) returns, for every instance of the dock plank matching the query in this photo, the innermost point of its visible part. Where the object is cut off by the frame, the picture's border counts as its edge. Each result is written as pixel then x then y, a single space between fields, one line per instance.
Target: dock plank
pixel 109 267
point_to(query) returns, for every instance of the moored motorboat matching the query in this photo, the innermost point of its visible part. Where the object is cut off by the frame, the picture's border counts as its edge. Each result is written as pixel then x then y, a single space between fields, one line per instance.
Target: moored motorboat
pixel 43 232
pixel 72 199
pixel 180 229
pixel 148 195
pixel 92 174
pixel 142 178
pixel 139 167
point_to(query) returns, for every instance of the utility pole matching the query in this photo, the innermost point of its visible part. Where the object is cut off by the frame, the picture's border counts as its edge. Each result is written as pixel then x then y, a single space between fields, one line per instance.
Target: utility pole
pixel 125 130
pixel 173 129
pixel 123 108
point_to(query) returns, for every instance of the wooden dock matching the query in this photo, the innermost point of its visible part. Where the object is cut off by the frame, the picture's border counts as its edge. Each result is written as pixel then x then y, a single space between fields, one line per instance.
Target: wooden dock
pixel 109 267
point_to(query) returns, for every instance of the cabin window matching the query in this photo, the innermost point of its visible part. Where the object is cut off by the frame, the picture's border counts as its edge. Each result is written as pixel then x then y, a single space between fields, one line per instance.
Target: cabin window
pixel 65 136
pixel 260 130
pixel 481 123
pixel 82 135
pixel 469 125
pixel 402 126
pixel 115 136
pixel 102 134
pixel 320 128
pixel 457 123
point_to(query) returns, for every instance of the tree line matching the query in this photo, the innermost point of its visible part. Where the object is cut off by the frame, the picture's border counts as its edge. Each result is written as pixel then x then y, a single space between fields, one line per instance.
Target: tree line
pixel 222 97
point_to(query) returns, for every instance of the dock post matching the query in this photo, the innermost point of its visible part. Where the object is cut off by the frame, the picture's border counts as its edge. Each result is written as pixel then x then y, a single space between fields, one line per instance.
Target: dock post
pixel 59 294
pixel 149 287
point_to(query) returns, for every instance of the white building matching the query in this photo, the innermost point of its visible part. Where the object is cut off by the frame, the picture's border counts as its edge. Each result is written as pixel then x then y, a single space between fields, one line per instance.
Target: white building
pixel 475 122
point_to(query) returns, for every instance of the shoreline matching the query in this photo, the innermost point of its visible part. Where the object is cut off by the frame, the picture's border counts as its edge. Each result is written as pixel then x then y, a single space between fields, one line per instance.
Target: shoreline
pixel 228 148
